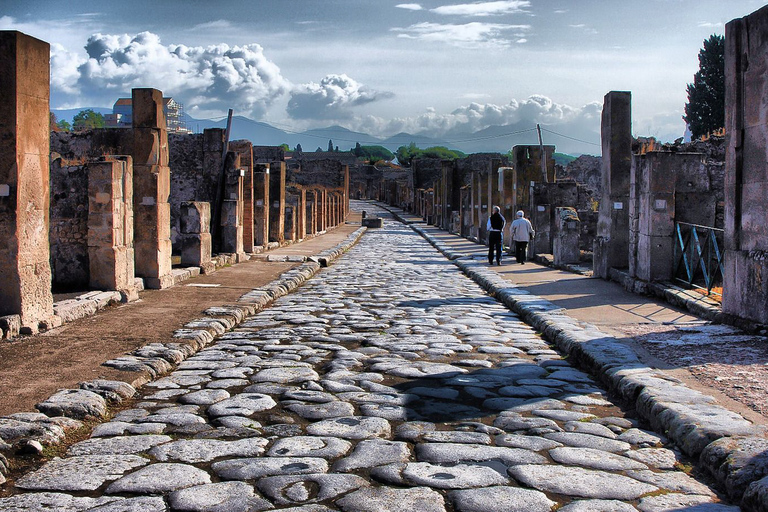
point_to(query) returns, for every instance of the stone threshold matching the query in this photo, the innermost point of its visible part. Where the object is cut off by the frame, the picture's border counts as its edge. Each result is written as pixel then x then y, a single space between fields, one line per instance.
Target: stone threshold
pixel 28 432
pixel 733 450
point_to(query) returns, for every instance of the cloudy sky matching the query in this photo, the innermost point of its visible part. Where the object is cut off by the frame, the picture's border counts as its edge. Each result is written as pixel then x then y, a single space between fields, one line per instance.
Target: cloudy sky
pixel 382 66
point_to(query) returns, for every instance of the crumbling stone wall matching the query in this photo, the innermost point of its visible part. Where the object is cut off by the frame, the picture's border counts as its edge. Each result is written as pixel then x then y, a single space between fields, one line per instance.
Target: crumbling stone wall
pixel 69 225
pixel 426 171
pixel 91 144
pixel 587 170
pixel 188 181
pixel 311 173
pixel 365 181
pixel 196 166
pixel 547 197
pixel 267 154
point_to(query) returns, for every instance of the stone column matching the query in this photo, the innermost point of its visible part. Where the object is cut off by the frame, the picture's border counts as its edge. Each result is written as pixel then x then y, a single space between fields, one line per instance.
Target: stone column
pixel 245 150
pixel 110 226
pixel 277 202
pixel 151 187
pixel 232 208
pixel 261 204
pixel 745 287
pixel 25 269
pixel 565 246
pixel 652 212
pixel 611 247
pixel 196 236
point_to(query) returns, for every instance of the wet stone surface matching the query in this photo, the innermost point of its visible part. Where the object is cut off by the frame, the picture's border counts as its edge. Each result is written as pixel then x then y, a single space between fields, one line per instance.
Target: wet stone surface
pixel 389 381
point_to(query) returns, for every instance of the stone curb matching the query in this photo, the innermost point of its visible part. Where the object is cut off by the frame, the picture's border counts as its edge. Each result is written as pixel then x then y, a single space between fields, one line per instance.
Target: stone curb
pixel 732 449
pixel 29 430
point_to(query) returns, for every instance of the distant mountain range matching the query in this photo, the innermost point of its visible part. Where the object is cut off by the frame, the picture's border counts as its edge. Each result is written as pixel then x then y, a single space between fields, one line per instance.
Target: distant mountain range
pixel 490 140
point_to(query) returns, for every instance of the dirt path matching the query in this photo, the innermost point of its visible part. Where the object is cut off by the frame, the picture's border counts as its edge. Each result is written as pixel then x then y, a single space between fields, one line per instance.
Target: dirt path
pixel 34 367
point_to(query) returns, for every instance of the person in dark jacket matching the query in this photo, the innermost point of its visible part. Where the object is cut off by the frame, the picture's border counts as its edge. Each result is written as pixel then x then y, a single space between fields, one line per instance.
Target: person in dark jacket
pixel 495 227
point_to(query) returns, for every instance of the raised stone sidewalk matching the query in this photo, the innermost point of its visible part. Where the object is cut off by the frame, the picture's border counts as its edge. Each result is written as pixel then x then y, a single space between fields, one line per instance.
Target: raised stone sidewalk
pixel 731 448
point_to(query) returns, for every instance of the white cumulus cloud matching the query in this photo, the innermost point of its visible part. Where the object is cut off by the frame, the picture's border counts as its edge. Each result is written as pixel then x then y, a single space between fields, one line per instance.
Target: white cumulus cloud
pixel 410 7
pixel 479 116
pixel 484 8
pixel 470 35
pixel 211 79
pixel 332 98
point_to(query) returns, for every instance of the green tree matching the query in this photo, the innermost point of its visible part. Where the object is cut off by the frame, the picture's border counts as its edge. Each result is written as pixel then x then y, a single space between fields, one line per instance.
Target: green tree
pixel 330 146
pixel 64 125
pixel 405 154
pixel 87 120
pixel 373 153
pixel 705 110
pixel 285 147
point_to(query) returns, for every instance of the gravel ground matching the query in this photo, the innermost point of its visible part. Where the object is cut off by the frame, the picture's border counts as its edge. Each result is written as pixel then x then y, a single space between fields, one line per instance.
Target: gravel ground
pixel 719 356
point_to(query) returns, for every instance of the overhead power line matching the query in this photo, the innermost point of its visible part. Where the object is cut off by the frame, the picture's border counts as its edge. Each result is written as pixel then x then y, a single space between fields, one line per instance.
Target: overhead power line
pixel 571 138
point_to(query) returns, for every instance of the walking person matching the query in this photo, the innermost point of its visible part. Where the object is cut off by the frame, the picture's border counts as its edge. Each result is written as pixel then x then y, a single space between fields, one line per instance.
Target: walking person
pixel 522 233
pixel 495 227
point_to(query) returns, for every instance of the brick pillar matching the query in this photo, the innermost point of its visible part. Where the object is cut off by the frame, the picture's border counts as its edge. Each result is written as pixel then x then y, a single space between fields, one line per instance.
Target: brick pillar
pixel 196 246
pixel 345 193
pixel 334 209
pixel 745 287
pixel 311 212
pixel 507 201
pixel 277 202
pixel 232 208
pixel 301 216
pixel 611 247
pixel 474 208
pixel 291 205
pixel 25 270
pixel 110 226
pixel 323 209
pixel 151 187
pixel 484 198
pixel 245 150
pixel 261 204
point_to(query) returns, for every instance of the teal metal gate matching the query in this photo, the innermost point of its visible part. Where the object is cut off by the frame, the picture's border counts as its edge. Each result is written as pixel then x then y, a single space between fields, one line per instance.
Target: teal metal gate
pixel 698 257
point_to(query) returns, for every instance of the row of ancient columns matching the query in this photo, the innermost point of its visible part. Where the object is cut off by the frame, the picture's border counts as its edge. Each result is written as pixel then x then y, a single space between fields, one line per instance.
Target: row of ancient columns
pixel 128 216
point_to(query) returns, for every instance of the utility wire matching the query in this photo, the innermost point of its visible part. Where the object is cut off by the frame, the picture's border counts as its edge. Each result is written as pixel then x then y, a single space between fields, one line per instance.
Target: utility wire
pixel 571 138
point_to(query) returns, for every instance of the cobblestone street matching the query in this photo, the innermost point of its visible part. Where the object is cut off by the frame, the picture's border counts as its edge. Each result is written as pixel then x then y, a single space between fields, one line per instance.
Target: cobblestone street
pixel 389 381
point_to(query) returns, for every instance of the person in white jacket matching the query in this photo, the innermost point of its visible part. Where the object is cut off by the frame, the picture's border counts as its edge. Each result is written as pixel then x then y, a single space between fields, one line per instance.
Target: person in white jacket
pixel 522 233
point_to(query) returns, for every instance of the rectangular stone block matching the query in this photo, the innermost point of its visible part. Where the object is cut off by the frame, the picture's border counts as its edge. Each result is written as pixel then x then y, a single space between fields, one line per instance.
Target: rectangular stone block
pixel 195 249
pixel 148 108
pixel 150 146
pixel 745 293
pixel 195 217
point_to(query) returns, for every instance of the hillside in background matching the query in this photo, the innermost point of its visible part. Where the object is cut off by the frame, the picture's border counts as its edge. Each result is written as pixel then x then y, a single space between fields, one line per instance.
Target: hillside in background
pixel 494 139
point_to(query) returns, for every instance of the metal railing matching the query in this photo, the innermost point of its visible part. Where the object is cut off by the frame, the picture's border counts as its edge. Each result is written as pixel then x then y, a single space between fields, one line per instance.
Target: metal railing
pixel 698 257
